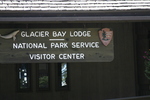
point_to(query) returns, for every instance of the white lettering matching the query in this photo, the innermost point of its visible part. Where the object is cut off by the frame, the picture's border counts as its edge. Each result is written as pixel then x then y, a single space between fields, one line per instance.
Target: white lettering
pixel 35 34
pixel 24 34
pixel 85 44
pixel 41 56
pixel 71 56
pixel 29 46
pixel 59 45
pixel 80 34
pixel 59 33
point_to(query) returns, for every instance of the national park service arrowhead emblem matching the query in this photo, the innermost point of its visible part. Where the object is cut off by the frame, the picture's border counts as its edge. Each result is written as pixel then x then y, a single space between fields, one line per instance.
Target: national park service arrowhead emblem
pixel 105 35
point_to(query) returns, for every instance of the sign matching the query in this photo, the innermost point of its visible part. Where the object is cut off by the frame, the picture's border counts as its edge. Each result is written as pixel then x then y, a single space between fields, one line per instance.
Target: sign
pixel 105 35
pixel 56 45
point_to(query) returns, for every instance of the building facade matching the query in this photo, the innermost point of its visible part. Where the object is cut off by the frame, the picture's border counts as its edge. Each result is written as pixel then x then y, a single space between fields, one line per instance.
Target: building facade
pixel 75 80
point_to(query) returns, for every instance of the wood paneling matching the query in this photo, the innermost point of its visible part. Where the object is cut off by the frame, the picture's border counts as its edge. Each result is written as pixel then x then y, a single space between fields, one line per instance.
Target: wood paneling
pixel 143 44
pixel 82 44
pixel 88 81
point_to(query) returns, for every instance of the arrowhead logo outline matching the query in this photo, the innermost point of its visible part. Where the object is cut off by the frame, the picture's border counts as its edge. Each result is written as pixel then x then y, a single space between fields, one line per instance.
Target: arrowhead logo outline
pixel 105 35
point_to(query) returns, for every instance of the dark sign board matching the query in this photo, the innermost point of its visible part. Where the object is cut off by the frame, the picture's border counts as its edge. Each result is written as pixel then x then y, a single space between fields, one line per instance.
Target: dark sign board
pixel 56 45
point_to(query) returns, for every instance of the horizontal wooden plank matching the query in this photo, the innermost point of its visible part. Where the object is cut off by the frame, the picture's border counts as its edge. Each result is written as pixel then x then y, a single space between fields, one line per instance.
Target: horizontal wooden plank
pixel 54 45
pixel 93 18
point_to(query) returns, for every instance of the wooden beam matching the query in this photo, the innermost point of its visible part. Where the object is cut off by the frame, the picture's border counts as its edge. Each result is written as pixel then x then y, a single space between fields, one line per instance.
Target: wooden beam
pixel 53 19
